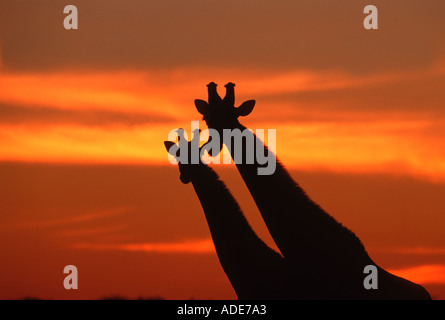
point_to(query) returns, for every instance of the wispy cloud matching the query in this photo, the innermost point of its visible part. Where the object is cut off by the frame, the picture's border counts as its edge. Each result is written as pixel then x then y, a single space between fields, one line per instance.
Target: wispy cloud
pixel 80 144
pixel 416 250
pixel 162 96
pixel 71 220
pixel 66 117
pixel 423 274
pixel 119 91
pixel 45 116
pixel 203 246
pixel 399 148
pixel 91 231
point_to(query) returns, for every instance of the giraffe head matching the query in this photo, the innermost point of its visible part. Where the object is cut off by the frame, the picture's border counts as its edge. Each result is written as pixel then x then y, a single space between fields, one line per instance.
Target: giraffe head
pixel 190 161
pixel 220 113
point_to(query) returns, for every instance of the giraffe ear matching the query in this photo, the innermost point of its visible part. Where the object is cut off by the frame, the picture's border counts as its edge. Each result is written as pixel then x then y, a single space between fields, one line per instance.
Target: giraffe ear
pixel 245 108
pixel 202 106
pixel 168 145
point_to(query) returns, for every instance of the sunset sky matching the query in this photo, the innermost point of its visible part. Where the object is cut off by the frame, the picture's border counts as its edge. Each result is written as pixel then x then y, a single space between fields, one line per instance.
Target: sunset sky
pixel 84 176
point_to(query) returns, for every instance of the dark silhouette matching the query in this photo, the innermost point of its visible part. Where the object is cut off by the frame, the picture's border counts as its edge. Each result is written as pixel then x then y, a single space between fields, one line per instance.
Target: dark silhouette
pixel 321 258
pixel 245 258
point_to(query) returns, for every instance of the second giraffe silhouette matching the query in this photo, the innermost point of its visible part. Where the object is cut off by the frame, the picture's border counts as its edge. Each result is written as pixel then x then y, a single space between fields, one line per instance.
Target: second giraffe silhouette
pixel 321 258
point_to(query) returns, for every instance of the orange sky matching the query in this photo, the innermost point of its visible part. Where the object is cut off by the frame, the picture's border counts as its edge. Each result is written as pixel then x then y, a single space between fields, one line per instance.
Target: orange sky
pixel 117 118
pixel 83 114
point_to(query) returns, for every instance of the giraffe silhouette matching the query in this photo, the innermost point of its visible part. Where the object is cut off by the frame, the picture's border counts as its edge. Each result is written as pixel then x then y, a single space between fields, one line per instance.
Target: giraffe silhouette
pixel 247 261
pixel 322 259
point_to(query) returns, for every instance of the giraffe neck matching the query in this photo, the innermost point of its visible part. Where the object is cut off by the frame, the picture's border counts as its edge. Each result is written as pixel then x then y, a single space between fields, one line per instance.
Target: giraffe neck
pixel 249 172
pixel 235 242
pixel 292 218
